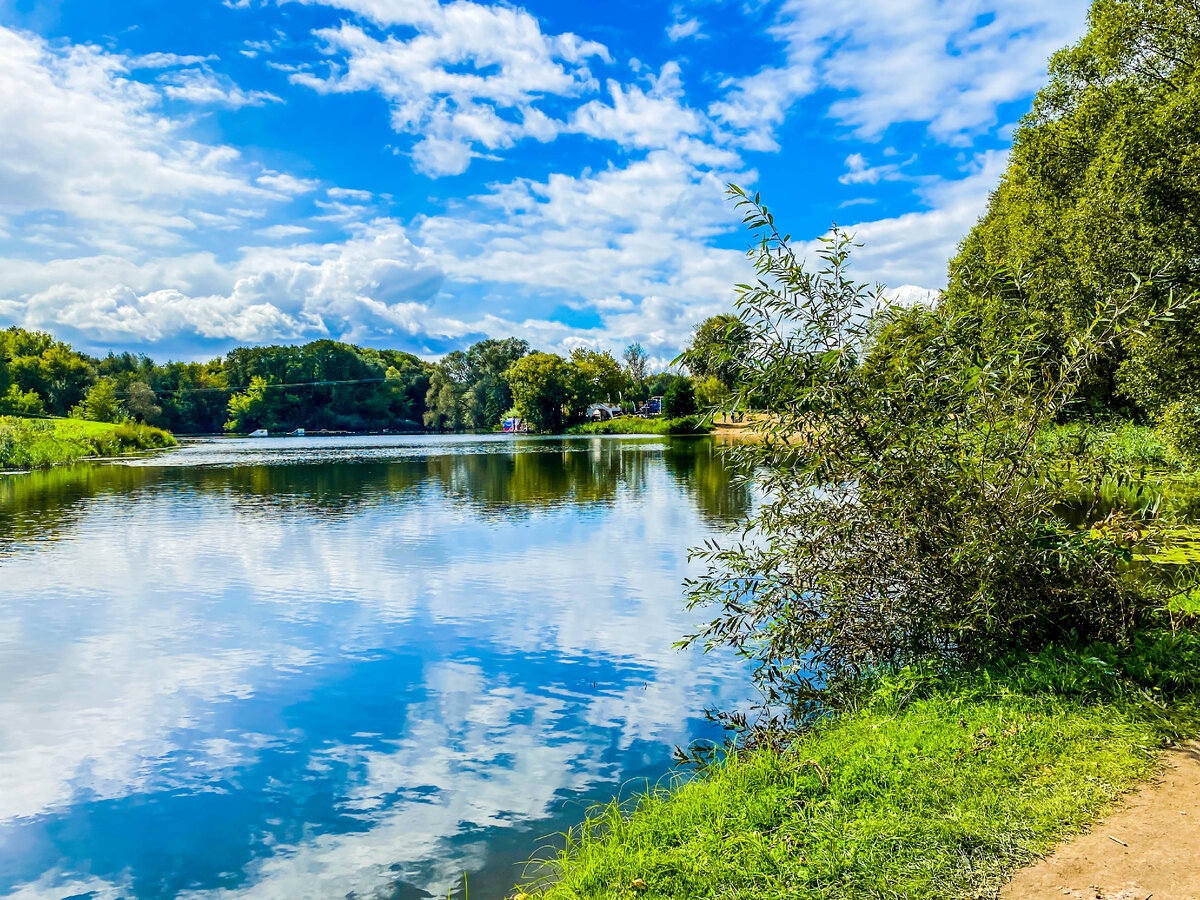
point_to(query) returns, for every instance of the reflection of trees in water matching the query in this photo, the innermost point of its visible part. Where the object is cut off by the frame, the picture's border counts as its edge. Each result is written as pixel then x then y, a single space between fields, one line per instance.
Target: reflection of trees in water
pixel 538 474
pixel 1174 499
pixel 543 474
pixel 41 505
pixel 326 491
pixel 698 466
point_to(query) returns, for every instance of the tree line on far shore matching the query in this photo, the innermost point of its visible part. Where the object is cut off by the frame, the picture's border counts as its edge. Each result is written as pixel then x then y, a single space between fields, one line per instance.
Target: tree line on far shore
pixel 330 385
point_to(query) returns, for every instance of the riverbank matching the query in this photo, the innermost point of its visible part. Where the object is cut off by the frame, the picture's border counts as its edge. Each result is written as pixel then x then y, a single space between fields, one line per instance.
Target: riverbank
pixel 685 425
pixel 935 786
pixel 39 443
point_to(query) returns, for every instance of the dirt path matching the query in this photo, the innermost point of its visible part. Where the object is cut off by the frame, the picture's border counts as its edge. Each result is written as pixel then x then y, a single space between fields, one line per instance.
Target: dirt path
pixel 1149 847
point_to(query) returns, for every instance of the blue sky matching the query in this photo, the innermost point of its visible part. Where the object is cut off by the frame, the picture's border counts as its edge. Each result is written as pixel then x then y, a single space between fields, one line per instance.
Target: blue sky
pixel 179 178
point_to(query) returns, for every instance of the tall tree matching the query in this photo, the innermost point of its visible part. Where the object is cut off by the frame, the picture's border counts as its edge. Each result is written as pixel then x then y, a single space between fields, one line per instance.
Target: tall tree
pixel 599 378
pixel 636 362
pixel 543 386
pixel 718 344
pixel 100 404
pixel 1102 186
pixel 250 409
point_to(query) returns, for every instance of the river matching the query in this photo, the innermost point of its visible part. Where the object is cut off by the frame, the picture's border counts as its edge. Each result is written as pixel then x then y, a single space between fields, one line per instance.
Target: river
pixel 331 667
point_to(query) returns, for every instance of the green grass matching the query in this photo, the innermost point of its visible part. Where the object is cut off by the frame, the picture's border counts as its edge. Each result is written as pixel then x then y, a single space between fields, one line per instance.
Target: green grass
pixel 38 443
pixel 1117 444
pixel 934 787
pixel 685 425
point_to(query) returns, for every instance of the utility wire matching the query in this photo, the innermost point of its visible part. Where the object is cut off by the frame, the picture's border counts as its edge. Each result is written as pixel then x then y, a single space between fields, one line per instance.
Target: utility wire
pixel 270 384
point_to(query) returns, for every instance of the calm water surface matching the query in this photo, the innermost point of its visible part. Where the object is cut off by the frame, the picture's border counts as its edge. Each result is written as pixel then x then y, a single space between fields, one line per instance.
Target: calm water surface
pixel 341 667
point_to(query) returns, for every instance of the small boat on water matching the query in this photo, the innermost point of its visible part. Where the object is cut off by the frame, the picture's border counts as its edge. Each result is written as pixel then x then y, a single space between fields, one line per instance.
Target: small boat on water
pixel 260 432
pixel 299 432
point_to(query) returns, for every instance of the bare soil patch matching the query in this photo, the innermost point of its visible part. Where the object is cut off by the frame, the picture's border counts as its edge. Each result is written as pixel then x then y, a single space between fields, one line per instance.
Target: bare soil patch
pixel 1148 849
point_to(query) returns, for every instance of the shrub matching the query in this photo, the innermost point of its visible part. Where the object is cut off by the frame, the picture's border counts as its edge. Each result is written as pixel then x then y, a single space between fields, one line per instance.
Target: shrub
pixel 906 518
pixel 1180 428
pixel 21 403
pixel 680 399
pixel 685 425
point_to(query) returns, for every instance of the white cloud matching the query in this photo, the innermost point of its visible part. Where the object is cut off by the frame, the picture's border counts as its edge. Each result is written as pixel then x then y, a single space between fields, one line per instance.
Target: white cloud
pixel 859 171
pixel 653 118
pixel 947 63
pixel 287 184
pixel 166 60
pixel 94 173
pixel 911 251
pixel 684 28
pixel 638 233
pixel 81 141
pixel 275 232
pixel 378 280
pixel 340 193
pixel 205 88
pixel 753 107
pixel 468 80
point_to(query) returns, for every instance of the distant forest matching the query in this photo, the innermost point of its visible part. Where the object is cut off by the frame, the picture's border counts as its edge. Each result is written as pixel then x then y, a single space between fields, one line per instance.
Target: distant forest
pixel 321 385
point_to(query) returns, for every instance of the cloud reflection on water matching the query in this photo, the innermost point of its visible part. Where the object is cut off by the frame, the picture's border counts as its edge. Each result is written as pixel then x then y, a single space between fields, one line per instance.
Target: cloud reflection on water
pixel 307 679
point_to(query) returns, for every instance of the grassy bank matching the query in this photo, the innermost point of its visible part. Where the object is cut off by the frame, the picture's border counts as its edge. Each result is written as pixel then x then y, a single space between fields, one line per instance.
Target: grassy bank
pixel 685 425
pixel 37 443
pixel 1115 444
pixel 936 786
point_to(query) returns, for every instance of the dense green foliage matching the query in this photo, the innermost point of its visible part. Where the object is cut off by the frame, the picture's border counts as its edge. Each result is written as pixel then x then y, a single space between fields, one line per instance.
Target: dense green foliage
pixel 551 393
pixel 543 384
pixel 908 517
pixel 1117 445
pixel 34 363
pixel 327 385
pixel 1102 186
pixel 37 443
pixel 467 390
pixel 716 343
pixel 320 385
pixel 680 399
pixel 935 785
pixel 685 425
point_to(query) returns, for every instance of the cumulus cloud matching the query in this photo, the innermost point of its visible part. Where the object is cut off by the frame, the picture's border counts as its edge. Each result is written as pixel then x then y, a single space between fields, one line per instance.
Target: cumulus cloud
pixel 947 63
pixel 909 252
pixel 684 28
pixel 80 140
pixel 653 118
pixel 205 88
pixel 859 171
pixel 638 233
pixel 166 60
pixel 276 232
pixel 110 217
pixel 287 184
pixel 377 281
pixel 468 81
